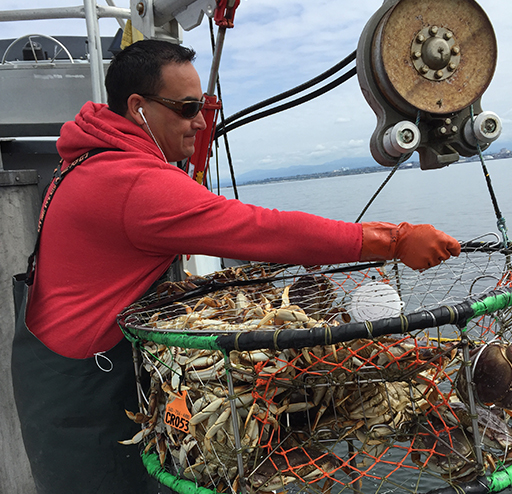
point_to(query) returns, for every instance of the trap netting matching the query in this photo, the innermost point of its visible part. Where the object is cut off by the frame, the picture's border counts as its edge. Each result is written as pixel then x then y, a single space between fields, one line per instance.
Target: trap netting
pixel 357 377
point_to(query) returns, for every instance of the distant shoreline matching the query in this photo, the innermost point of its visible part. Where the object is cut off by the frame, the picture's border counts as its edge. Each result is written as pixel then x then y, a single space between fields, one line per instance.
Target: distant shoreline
pixel 502 154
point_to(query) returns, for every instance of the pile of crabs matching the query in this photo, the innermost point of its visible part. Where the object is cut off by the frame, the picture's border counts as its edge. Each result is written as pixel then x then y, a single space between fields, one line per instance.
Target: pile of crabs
pixel 260 421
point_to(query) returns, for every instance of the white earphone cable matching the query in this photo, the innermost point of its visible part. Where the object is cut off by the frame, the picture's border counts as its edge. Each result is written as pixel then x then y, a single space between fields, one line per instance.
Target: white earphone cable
pixel 151 134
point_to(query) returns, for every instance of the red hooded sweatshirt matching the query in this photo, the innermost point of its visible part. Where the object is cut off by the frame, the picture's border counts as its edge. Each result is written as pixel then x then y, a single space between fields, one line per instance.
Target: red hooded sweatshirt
pixel 117 221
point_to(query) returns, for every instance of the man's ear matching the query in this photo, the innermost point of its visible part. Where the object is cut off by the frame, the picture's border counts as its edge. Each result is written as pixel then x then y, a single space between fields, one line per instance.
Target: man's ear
pixel 134 103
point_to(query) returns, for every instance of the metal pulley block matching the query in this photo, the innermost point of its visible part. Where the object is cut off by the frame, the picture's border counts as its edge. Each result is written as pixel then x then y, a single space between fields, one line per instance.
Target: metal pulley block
pixel 423 66
pixel 165 19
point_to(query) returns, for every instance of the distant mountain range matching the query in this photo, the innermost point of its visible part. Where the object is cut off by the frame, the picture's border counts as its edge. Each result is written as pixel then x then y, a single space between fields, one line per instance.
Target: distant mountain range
pixel 291 171
pixel 331 166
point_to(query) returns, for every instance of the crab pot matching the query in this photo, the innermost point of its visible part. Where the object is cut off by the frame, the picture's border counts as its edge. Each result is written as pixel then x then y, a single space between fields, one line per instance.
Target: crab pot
pixel 274 378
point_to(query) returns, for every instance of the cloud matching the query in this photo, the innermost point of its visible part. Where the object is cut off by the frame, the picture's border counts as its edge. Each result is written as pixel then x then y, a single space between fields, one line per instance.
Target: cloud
pixel 355 143
pixel 277 45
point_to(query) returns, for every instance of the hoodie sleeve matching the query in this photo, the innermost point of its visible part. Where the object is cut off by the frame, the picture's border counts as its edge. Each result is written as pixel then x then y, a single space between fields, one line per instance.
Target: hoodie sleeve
pixel 166 211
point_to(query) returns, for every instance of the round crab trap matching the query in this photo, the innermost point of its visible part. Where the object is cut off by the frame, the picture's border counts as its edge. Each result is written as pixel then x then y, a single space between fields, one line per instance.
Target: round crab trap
pixel 349 378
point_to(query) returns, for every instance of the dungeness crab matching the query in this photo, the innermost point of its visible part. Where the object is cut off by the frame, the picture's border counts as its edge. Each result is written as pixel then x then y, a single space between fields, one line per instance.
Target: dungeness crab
pixel 491 374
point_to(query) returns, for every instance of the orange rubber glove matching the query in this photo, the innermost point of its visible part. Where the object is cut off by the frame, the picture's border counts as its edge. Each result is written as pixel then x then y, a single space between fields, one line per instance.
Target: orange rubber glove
pixel 417 246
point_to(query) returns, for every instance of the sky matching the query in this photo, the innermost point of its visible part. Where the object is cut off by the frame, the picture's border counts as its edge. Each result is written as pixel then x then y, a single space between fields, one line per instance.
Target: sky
pixel 277 45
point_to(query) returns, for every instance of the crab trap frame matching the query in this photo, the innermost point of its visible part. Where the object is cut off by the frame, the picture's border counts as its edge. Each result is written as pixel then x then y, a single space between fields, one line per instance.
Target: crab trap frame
pixel 366 377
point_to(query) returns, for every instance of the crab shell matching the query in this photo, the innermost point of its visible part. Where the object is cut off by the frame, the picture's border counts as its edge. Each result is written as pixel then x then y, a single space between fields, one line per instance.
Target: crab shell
pixel 441 443
pixel 492 376
pixel 315 294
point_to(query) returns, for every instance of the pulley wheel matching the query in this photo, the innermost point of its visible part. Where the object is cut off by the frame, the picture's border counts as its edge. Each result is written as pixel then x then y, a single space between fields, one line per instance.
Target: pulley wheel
pixel 435 55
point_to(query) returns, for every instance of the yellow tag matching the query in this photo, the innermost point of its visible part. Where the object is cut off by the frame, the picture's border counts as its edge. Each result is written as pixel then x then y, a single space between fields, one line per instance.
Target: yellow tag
pixel 199 177
pixel 177 414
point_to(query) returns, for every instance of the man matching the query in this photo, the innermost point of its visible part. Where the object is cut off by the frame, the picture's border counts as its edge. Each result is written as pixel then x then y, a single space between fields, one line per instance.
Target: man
pixel 112 229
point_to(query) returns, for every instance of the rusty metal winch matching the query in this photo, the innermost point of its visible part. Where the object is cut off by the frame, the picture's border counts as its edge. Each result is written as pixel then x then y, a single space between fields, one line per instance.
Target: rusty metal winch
pixel 423 67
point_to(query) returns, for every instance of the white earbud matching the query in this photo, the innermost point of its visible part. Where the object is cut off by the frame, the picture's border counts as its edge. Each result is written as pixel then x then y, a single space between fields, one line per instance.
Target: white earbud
pixel 141 111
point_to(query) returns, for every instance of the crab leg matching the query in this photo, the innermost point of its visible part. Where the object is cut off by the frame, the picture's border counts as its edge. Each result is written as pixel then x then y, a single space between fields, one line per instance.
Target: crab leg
pixel 207 411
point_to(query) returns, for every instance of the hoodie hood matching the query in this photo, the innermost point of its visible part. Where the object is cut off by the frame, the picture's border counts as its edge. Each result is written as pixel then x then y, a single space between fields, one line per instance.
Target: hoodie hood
pixel 96 126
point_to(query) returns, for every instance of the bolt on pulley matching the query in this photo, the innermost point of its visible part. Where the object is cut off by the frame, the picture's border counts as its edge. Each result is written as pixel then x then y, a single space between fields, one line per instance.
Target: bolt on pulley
pixel 423 66
pixel 435 53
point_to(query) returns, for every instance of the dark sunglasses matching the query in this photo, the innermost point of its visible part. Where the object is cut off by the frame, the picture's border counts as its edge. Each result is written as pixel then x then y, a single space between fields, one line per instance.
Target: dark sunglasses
pixel 187 109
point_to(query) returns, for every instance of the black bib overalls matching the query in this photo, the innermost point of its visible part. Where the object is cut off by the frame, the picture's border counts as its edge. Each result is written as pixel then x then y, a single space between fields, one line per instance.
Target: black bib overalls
pixel 72 417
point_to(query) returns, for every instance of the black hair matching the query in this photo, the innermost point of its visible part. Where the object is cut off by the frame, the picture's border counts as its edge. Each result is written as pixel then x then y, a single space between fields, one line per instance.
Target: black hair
pixel 137 70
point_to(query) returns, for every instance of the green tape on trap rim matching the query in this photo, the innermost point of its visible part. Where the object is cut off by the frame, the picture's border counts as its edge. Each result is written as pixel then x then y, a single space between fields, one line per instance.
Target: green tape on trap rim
pixel 181 486
pixel 500 480
pixel 184 340
pixel 492 303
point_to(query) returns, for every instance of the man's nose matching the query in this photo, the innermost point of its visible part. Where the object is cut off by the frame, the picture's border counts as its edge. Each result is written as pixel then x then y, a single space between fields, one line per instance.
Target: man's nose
pixel 199 121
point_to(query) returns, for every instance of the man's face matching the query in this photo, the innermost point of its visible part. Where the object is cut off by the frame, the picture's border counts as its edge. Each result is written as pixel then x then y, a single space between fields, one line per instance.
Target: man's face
pixel 175 134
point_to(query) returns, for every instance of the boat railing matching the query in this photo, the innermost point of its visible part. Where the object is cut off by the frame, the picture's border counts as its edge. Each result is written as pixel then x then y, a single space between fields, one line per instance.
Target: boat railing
pixel 33 48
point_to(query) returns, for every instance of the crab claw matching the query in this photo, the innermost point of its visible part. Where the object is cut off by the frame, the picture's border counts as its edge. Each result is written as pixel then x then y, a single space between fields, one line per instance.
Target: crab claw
pixel 139 436
pixel 138 418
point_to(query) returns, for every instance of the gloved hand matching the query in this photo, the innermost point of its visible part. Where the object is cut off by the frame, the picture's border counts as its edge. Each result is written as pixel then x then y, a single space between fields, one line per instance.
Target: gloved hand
pixel 417 246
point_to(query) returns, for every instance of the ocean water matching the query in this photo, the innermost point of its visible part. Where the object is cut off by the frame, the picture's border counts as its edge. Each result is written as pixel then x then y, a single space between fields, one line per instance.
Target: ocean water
pixel 454 199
